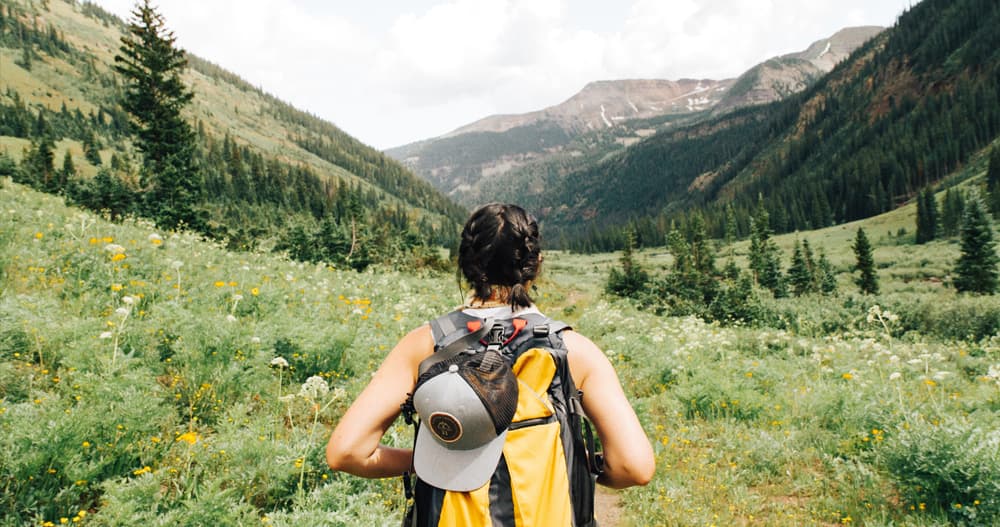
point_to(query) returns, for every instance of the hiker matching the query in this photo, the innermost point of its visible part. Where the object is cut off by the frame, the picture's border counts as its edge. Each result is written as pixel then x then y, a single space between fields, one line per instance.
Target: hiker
pixel 474 484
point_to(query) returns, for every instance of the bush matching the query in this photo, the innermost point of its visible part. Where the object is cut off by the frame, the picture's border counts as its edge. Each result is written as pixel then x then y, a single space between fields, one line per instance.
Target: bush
pixel 951 465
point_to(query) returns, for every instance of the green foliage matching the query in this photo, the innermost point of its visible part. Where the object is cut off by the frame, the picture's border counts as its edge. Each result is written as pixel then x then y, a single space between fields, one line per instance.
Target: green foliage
pixel 106 192
pixel 949 465
pixel 765 257
pixel 631 279
pixel 867 280
pixel 155 95
pixel 976 270
pixel 952 210
pixel 927 216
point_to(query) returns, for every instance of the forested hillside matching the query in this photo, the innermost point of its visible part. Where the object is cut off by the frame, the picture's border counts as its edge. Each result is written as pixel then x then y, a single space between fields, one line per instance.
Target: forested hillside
pixel 271 174
pixel 901 113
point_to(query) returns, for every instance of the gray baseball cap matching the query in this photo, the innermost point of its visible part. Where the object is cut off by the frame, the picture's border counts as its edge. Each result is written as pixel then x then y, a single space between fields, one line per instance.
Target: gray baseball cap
pixel 465 409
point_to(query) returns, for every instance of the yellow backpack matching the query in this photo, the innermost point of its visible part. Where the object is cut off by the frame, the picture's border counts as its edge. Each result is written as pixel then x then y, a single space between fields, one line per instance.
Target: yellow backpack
pixel 547 471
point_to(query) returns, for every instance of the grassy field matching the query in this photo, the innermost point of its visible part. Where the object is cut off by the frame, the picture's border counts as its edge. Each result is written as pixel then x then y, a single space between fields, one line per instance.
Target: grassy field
pixel 140 384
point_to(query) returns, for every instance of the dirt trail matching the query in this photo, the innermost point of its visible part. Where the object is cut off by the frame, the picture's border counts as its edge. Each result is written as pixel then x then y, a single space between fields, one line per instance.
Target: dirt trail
pixel 607 507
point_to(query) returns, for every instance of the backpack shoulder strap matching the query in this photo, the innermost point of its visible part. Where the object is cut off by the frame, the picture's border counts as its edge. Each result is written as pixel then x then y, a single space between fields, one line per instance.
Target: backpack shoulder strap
pixel 452 335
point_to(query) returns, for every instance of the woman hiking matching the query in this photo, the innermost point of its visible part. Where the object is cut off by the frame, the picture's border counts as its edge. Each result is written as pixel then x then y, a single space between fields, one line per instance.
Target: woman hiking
pixel 500 391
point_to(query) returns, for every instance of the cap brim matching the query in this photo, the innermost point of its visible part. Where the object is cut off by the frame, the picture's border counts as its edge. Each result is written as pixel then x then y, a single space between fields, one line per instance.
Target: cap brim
pixel 457 470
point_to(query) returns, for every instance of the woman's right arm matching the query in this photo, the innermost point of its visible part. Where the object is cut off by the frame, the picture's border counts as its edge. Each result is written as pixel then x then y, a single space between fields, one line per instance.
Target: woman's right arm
pixel 354 445
pixel 628 456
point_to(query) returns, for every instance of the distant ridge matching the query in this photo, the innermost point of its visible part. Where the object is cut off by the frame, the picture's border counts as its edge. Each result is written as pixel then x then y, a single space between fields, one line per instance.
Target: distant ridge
pixel 606 116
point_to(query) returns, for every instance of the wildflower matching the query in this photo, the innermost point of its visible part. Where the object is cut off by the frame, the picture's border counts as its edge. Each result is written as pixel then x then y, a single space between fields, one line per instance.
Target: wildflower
pixel 128 300
pixel 230 318
pixel 219 283
pixel 122 311
pixel 114 248
pixel 105 335
pixel 188 437
pixel 155 239
pixel 38 235
pixel 847 376
pixel 237 297
pixel 314 387
pixel 895 375
pixel 86 444
pixel 117 257
pixel 255 291
pixel 254 340
pixel 117 287
pixel 176 264
pixel 278 362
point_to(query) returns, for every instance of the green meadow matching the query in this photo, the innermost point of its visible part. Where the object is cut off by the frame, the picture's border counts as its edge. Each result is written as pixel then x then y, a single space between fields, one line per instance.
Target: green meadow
pixel 154 378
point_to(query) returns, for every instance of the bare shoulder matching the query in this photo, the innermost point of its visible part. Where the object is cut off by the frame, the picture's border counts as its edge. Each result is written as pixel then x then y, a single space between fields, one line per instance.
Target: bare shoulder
pixel 585 357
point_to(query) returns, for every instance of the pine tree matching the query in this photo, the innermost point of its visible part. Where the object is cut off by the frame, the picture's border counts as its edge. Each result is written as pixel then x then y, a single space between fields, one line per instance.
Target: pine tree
pixel 68 171
pixel 953 209
pixel 868 280
pixel 976 269
pixel 827 278
pixel 154 96
pixel 799 275
pixel 927 216
pixel 765 257
pixel 993 180
pixel 632 278
pixel 91 150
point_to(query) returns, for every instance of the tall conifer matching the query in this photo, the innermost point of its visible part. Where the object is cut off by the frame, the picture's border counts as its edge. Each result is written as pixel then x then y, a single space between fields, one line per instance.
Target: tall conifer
pixel 976 269
pixel 154 95
pixel 868 279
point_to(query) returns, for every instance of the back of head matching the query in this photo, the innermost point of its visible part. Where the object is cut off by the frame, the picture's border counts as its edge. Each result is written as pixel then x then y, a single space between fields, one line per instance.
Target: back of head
pixel 500 249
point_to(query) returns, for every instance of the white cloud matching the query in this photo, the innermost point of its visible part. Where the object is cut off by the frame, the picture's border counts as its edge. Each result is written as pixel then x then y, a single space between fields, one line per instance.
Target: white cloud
pixel 419 68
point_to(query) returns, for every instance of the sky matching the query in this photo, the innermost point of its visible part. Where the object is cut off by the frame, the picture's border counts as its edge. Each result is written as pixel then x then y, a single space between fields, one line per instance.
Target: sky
pixel 390 72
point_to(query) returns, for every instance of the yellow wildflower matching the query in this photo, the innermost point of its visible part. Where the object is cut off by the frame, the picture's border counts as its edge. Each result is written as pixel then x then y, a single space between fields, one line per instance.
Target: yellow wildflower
pixel 189 438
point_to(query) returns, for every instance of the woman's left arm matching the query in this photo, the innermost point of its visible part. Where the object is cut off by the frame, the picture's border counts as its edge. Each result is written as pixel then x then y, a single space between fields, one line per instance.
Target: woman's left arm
pixel 354 446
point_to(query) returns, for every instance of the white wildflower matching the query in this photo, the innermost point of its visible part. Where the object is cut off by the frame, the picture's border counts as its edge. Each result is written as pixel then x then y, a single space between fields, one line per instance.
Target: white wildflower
pixel 114 248
pixel 105 335
pixel 230 318
pixel 176 264
pixel 287 398
pixel 940 375
pixel 895 375
pixel 129 300
pixel 122 311
pixel 254 340
pixel 915 362
pixel 155 238
pixel 314 388
pixel 893 359
pixel 237 297
pixel 278 362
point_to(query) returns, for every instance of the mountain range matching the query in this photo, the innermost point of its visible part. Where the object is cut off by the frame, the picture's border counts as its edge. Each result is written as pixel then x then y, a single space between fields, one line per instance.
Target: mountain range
pixel 608 115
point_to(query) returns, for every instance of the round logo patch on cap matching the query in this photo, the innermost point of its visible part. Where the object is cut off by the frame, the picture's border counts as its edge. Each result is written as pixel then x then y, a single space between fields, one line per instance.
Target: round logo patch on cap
pixel 445 427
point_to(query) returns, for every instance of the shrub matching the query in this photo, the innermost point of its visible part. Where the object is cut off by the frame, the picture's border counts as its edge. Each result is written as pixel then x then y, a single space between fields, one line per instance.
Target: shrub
pixel 951 465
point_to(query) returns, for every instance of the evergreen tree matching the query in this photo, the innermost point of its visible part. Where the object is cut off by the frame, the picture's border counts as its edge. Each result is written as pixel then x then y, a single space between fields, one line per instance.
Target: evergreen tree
pixel 865 264
pixel 927 216
pixel 154 95
pixel 765 257
pixel 951 212
pixel 68 171
pixel 91 149
pixel 800 274
pixel 993 180
pixel 827 278
pixel 976 269
pixel 632 278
